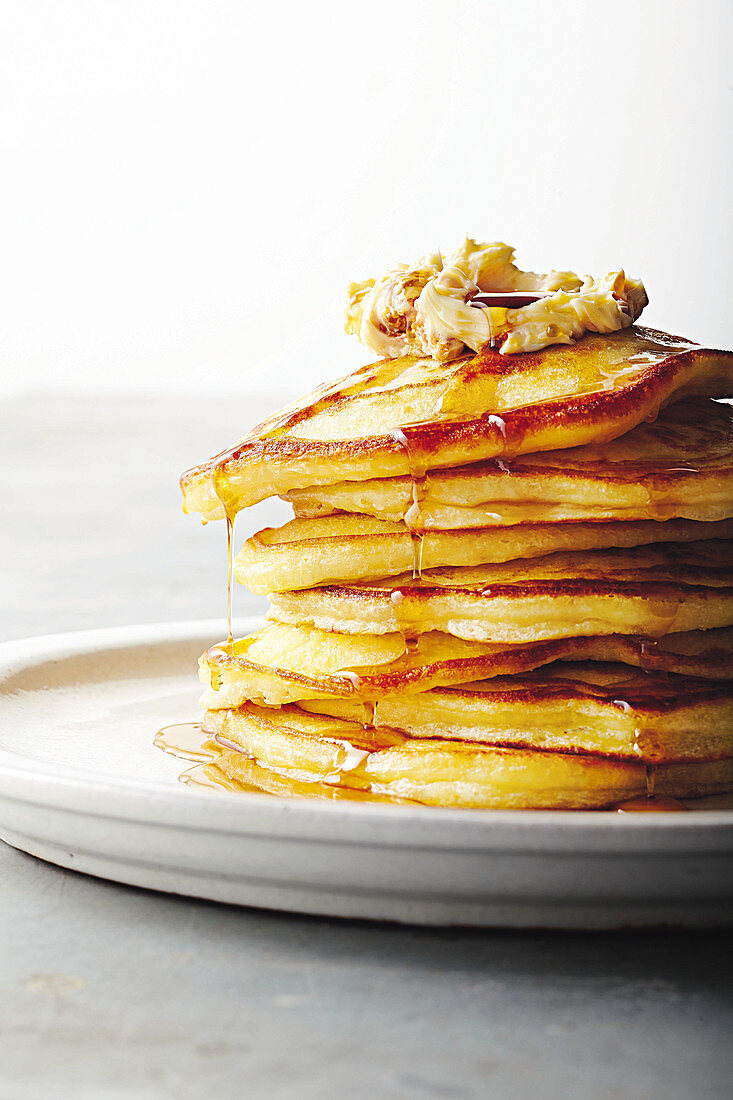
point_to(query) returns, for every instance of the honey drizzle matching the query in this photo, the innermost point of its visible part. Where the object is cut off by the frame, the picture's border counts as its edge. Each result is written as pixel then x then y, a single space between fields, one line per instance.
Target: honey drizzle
pixel 645 804
pixel 666 612
pixel 210 776
pixel 647 648
pixel 218 480
pixel 349 777
pixel 368 704
pixel 419 478
pixel 351 771
pixel 499 423
pixel 186 741
pixel 230 564
pixel 418 484
pixel 191 742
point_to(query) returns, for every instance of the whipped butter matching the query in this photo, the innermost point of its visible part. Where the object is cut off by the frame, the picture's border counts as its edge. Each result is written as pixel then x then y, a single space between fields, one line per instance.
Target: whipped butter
pixel 425 308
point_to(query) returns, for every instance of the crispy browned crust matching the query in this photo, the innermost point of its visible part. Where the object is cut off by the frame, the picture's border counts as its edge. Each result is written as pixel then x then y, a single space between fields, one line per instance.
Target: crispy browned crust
pixel 698 431
pixel 343 548
pixel 652 692
pixel 487 362
pixel 513 658
pixel 547 425
pixel 691 655
pixel 650 590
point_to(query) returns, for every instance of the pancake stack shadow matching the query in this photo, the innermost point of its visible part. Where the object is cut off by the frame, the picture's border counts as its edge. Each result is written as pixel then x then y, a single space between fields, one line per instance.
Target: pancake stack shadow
pixel 507 583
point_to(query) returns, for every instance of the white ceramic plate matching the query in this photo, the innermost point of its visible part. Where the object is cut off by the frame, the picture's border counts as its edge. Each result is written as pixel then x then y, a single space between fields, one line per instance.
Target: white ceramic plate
pixel 81 785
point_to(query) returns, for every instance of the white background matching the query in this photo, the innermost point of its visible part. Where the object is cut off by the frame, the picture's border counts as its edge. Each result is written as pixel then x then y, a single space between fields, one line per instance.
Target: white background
pixel 186 187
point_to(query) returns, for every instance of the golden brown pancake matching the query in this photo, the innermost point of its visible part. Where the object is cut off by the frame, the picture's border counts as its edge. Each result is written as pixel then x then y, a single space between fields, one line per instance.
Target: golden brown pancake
pixel 649 590
pixel 297 748
pixel 587 707
pixel 284 664
pixel 397 416
pixel 343 548
pixel 680 466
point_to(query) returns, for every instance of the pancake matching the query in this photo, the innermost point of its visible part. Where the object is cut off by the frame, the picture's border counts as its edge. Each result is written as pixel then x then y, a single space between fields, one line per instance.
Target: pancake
pixel 398 416
pixel 323 752
pixel 680 466
pixel 569 707
pixel 648 590
pixel 284 664
pixel 304 553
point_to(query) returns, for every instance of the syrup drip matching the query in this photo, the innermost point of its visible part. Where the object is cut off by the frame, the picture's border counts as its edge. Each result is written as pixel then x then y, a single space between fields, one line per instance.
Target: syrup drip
pixel 345 786
pixel 210 776
pixel 189 741
pixel 370 715
pixel 404 622
pixel 666 612
pixel 350 781
pixel 226 649
pixel 353 677
pixel 349 776
pixel 186 741
pixel 498 422
pixel 221 488
pixel 509 452
pixel 650 776
pixel 647 747
pixel 418 541
pixel 369 706
pixel 230 571
pixel 418 483
pixel 647 647
pixel 351 769
pixel 662 506
pixel 650 804
pixel 511 299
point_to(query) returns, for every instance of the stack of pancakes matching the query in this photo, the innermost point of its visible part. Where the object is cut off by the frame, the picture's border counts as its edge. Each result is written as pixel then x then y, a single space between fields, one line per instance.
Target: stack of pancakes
pixel 507 584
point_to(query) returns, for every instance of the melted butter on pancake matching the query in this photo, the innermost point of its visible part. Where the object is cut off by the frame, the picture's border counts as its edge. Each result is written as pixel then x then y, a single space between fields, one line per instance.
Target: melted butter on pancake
pixel 425 308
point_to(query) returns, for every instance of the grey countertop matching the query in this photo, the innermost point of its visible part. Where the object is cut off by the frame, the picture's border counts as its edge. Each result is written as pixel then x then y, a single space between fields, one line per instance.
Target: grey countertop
pixel 112 992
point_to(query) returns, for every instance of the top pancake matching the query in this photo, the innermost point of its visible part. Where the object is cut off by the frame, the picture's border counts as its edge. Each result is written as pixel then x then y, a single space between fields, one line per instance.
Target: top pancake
pixel 679 466
pixel 400 416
